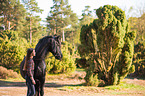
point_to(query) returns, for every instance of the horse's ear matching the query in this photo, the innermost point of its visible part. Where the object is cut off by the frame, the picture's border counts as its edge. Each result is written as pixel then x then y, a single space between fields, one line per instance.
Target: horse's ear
pixel 58 37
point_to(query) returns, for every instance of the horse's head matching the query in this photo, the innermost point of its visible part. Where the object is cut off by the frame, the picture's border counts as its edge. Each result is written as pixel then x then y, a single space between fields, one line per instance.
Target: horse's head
pixel 56 47
pixel 48 44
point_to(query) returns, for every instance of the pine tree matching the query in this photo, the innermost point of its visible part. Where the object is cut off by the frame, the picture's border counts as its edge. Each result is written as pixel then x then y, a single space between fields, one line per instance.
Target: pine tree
pixel 112 60
pixel 18 17
pixel 60 17
pixel 87 17
pixel 12 14
pixel 32 10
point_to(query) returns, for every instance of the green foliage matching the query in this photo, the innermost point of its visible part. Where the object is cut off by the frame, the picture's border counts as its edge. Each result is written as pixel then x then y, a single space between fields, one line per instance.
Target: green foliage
pixel 17 16
pixel 12 49
pixel 138 24
pixel 87 17
pixel 139 59
pixel 32 21
pixel 107 46
pixel 125 61
pixel 36 29
pixel 12 14
pixel 86 38
pixel 5 74
pixel 66 65
pixel 62 21
pixel 91 78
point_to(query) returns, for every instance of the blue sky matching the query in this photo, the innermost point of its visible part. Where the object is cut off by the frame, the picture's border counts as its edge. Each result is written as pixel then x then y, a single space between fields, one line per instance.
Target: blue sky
pixel 78 5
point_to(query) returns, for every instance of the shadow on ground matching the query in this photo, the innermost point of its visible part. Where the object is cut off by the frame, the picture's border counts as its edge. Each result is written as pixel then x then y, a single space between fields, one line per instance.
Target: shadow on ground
pixel 12 84
pixel 135 76
pixel 55 85
pixel 23 84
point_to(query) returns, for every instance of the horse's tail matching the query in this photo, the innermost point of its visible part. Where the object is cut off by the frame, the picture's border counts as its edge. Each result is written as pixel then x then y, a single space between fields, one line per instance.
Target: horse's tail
pixel 21 68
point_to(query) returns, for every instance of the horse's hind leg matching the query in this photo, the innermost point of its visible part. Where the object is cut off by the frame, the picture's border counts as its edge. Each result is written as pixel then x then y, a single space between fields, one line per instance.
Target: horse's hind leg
pixel 41 91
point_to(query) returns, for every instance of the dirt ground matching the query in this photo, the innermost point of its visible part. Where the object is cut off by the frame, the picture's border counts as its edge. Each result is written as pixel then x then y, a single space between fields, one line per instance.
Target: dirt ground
pixel 70 85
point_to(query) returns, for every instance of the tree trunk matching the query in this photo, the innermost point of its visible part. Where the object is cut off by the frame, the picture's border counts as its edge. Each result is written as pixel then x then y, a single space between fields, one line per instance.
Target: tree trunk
pixel 9 27
pixel 54 31
pixel 30 32
pixel 63 36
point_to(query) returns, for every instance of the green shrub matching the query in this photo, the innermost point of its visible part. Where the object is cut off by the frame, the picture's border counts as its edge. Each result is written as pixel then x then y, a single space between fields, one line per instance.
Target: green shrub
pixel 4 73
pixel 107 47
pixel 139 59
pixel 67 63
pixel 12 49
pixel 91 78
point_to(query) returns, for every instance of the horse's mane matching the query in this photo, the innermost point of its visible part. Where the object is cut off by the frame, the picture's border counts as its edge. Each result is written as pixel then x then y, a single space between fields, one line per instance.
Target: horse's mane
pixel 44 38
pixel 44 41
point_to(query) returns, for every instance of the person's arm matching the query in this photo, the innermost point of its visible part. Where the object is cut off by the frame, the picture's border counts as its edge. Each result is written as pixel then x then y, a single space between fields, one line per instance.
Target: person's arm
pixel 33 81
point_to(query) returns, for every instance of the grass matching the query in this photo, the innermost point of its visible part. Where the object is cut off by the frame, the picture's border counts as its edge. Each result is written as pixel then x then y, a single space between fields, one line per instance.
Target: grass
pixel 80 69
pixel 13 79
pixel 121 89
pixel 124 89
pixel 124 86
pixel 64 75
pixel 73 88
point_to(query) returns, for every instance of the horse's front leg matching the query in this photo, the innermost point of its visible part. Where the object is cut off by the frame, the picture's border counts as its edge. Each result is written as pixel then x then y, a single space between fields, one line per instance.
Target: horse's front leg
pixel 37 88
pixel 42 86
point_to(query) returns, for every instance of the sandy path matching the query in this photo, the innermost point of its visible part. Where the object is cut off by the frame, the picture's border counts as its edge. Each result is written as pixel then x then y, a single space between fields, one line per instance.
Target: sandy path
pixel 69 86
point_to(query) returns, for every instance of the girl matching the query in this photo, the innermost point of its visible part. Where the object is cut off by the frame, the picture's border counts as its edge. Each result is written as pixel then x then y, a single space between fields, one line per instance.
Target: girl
pixel 29 68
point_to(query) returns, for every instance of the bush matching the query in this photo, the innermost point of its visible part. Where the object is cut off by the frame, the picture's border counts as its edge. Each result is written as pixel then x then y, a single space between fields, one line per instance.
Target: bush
pixel 12 49
pixel 91 78
pixel 139 59
pixel 107 47
pixel 67 63
pixel 4 73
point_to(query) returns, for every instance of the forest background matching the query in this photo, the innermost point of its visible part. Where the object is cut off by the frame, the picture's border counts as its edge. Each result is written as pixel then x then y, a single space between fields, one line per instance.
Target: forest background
pixel 21 27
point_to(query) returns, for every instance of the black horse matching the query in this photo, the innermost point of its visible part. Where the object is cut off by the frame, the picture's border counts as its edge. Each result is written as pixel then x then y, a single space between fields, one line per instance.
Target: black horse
pixel 45 45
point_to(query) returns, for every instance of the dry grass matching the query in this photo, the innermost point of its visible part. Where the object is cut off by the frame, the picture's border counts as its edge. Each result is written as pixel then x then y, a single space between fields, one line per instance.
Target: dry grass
pixel 5 73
